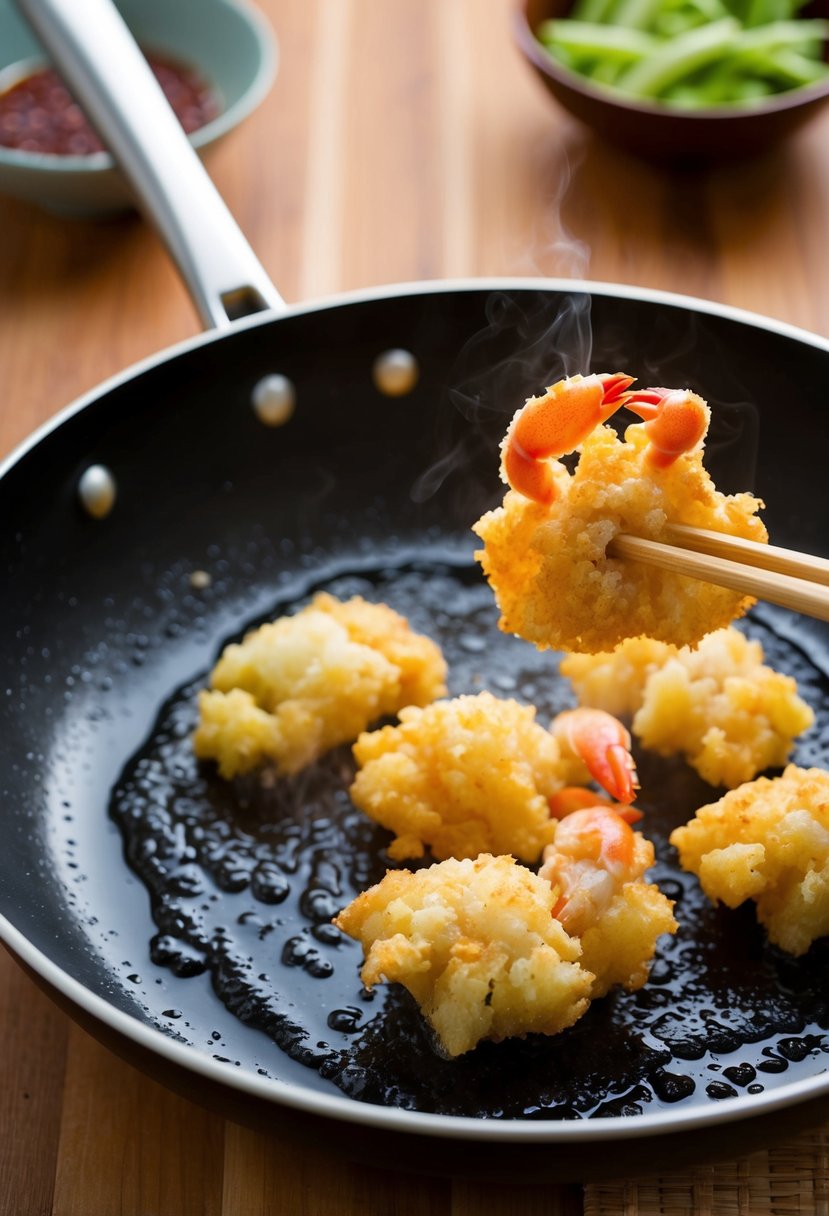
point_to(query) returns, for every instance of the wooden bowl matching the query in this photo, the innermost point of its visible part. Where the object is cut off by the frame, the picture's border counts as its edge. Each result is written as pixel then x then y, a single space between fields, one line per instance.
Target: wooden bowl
pixel 659 132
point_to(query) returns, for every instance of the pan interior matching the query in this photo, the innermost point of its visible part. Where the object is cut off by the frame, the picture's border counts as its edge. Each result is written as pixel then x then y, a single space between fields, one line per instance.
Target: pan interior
pixel 109 637
pixel 245 878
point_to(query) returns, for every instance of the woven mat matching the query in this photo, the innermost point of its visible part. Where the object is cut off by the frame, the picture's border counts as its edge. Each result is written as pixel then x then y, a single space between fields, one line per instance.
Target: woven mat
pixel 790 1180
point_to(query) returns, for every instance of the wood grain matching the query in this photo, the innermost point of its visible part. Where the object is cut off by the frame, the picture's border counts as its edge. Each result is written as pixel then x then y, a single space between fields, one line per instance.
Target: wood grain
pixel 149 1152
pixel 33 1053
pixel 403 140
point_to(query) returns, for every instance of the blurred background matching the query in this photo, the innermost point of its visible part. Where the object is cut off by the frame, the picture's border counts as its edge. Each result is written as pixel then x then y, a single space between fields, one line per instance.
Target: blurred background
pixel 402 140
pixel 407 140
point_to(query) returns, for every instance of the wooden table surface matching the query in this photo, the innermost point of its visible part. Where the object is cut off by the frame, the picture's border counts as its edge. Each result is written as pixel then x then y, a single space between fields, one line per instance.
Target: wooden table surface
pixel 404 139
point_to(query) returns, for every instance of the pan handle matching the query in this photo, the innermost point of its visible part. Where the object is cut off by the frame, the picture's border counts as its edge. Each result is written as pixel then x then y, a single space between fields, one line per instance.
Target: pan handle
pixel 95 52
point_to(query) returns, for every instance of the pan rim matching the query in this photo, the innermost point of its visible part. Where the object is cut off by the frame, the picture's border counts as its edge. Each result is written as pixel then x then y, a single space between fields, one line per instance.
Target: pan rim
pixel 419 287
pixel 336 1106
pixel 419 1123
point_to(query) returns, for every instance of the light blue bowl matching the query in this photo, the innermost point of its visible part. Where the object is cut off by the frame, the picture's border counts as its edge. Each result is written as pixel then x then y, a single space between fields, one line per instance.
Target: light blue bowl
pixel 227 41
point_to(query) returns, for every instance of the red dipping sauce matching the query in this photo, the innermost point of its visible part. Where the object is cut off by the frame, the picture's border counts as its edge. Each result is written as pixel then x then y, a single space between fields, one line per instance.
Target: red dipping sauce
pixel 39 114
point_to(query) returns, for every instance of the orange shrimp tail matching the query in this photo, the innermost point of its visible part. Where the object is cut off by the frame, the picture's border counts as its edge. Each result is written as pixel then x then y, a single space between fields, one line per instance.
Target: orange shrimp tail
pixel 616 842
pixel 600 833
pixel 574 798
pixel 615 386
pixel 530 477
pixel 603 744
pixel 552 425
pixel 676 422
pixel 622 781
pixel 548 427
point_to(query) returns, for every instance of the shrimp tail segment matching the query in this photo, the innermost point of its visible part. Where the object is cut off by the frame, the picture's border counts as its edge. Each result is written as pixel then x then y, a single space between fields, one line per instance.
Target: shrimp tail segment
pixel 675 422
pixel 603 744
pixel 572 798
pixel 592 854
pixel 549 427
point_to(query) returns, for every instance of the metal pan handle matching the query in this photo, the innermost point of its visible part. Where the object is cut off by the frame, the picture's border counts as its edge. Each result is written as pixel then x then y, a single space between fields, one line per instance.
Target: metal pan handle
pixel 96 54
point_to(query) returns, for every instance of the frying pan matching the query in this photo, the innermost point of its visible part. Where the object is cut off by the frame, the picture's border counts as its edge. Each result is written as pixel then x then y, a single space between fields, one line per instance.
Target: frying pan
pixel 145 896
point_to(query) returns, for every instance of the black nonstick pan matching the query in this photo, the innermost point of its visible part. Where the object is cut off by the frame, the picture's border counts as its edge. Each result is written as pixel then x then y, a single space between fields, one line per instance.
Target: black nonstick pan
pixel 186 922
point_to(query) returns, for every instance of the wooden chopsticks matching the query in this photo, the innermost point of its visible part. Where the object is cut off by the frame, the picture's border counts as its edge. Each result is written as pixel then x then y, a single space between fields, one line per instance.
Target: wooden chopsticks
pixel 793 580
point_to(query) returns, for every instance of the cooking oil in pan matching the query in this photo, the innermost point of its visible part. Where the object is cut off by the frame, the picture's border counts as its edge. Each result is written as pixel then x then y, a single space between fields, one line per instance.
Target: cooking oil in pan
pixel 245 878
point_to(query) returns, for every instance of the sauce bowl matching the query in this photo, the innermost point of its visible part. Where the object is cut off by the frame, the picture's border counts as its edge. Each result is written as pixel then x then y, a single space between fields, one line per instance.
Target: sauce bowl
pixel 227 42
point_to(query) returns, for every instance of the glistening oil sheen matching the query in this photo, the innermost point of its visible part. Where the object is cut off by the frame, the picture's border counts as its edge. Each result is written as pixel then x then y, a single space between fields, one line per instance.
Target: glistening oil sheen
pixel 245 878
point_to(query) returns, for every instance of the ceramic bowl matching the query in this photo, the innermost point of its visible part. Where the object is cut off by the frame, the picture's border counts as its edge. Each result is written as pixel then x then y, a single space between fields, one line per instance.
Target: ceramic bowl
pixel 659 132
pixel 227 41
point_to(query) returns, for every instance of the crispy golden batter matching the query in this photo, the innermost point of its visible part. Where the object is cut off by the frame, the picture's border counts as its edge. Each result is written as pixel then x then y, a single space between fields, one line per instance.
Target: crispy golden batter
pixel 616 915
pixel 767 841
pixel 615 680
pixel 301 685
pixel 476 945
pixel 719 705
pixel 461 777
pixel 619 949
pixel 548 567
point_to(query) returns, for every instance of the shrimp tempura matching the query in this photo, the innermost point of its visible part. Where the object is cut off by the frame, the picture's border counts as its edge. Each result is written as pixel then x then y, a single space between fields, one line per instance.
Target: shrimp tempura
pixel 719 705
pixel 768 841
pixel 305 683
pixel 546 554
pixel 475 944
pixel 461 777
pixel 596 866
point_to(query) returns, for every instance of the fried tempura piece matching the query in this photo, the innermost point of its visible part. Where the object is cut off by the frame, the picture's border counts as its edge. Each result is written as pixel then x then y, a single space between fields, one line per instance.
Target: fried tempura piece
pixel 719 705
pixel 461 777
pixel 303 684
pixel 596 866
pixel 548 566
pixel 476 945
pixel 620 948
pixel 615 680
pixel 767 841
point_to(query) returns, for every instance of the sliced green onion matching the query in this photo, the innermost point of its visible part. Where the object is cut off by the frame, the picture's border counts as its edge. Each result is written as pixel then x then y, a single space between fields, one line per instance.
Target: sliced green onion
pixel 766 39
pixel 793 70
pixel 680 58
pixel 589 10
pixel 691 53
pixel 587 39
pixel 762 12
pixel 637 14
pixel 721 86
